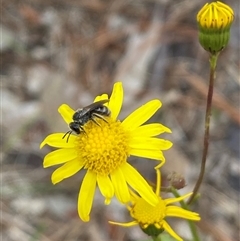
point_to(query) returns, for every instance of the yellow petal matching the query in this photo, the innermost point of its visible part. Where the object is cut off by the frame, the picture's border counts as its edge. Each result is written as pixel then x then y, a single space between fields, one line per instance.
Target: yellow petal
pixel 120 186
pixel 150 143
pixel 225 7
pixel 158 183
pixel 199 15
pixel 152 154
pixel 67 170
pixel 101 97
pixel 170 231
pixel 177 199
pixel 86 195
pixel 130 224
pixel 175 211
pixel 141 115
pixel 205 20
pixel 139 184
pixel 150 130
pixel 66 112
pixel 106 187
pixel 59 156
pixel 56 140
pixel 116 100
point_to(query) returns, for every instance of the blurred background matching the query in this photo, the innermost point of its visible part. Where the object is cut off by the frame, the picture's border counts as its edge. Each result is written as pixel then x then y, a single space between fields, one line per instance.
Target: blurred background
pixel 60 51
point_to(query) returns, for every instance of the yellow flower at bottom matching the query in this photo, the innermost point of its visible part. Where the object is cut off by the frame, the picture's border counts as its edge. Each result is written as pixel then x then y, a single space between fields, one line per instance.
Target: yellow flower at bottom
pixel 151 219
pixel 103 148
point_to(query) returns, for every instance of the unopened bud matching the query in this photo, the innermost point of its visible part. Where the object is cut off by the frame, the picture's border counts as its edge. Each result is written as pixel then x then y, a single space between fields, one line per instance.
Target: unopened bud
pixel 214 22
pixel 176 180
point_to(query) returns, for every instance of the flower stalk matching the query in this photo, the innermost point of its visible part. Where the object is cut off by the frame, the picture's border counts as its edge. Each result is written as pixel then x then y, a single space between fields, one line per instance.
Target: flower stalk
pixel 213 63
pixel 214 23
pixel 154 238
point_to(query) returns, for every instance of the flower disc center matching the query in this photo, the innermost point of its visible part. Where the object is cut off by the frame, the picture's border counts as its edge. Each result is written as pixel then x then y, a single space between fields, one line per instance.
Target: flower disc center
pixel 104 147
pixel 146 214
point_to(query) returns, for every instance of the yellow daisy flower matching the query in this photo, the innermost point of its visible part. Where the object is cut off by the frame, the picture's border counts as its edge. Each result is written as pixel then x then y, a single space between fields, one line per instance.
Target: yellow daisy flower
pixel 151 219
pixel 103 150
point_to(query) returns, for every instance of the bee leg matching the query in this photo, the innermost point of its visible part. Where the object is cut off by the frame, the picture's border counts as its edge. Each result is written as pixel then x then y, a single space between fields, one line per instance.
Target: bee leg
pixel 100 117
pixel 95 122
pixel 82 129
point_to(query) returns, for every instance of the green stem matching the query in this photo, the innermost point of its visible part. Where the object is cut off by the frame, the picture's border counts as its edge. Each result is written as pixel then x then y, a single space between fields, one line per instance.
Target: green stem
pixel 213 63
pixel 156 238
pixel 166 189
pixel 192 225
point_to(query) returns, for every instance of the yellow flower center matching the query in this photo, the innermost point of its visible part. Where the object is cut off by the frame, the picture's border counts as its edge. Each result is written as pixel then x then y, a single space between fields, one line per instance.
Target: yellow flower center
pixel 104 147
pixel 145 214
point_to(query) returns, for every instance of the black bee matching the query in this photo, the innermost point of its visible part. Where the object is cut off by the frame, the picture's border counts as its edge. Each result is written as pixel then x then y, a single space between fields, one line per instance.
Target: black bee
pixel 83 115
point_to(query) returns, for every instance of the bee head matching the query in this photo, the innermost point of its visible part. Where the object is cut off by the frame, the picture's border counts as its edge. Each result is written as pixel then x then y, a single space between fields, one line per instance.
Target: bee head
pixel 74 127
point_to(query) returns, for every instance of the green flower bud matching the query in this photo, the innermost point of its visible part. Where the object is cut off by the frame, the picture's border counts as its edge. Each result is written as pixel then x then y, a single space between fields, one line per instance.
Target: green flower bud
pixel 214 22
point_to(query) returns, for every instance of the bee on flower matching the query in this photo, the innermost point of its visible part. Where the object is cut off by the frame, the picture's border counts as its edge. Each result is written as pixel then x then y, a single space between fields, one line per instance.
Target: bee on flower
pixel 102 145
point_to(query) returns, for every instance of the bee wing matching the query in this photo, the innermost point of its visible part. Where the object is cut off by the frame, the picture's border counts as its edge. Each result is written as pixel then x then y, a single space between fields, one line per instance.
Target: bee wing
pixel 93 106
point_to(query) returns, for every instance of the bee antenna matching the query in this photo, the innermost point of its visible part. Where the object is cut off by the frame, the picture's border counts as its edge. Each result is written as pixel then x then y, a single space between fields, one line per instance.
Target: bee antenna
pixel 69 133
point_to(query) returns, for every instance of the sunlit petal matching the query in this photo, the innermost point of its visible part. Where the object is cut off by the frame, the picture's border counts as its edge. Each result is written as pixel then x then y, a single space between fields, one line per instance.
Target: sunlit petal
pixel 86 195
pixel 59 156
pixel 56 140
pixel 116 100
pixel 149 130
pixel 106 187
pixel 141 115
pixel 130 224
pixel 150 143
pixel 66 112
pixel 177 199
pixel 67 170
pixel 101 97
pixel 170 231
pixel 120 186
pixel 175 211
pixel 156 155
pixel 139 184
